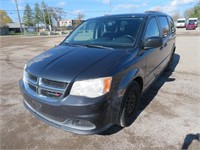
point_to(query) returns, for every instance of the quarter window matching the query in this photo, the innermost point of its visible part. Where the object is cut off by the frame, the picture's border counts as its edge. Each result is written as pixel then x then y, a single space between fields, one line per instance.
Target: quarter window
pixel 152 29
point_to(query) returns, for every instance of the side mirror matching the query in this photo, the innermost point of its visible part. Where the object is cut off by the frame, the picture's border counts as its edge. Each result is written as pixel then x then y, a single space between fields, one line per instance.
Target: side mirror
pixel 152 42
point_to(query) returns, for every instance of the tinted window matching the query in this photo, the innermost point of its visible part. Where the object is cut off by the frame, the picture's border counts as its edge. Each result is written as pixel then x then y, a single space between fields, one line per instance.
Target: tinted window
pixel 152 29
pixel 181 21
pixel 86 32
pixel 164 26
pixel 192 21
pixel 117 32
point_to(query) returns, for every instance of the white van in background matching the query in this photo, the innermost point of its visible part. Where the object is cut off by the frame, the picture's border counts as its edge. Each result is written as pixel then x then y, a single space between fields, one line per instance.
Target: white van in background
pixel 181 23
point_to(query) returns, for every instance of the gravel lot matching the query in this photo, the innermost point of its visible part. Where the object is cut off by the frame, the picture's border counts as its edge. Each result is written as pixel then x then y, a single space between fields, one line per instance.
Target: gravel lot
pixel 169 116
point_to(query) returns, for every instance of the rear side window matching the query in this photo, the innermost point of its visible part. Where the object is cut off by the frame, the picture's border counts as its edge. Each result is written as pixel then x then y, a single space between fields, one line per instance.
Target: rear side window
pixel 152 29
pixel 164 25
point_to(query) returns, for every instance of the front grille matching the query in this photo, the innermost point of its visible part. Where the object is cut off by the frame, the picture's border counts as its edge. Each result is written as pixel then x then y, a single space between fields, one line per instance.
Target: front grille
pixel 32 77
pixel 50 89
pixel 51 94
pixel 55 84
pixel 33 88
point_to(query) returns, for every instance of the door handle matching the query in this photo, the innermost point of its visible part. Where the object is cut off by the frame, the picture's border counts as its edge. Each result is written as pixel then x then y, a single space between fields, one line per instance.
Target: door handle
pixel 165 45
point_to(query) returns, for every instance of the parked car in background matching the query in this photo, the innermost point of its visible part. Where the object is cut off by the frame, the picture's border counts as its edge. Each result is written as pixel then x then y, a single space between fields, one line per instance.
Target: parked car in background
pixel 181 23
pixel 192 24
pixel 96 76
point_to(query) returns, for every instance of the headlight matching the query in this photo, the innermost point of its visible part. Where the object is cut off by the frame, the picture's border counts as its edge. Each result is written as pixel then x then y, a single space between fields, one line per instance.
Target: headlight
pixel 91 88
pixel 24 72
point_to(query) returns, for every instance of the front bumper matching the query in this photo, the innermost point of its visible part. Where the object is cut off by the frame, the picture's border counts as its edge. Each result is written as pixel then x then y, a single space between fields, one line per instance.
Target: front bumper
pixel 181 26
pixel 190 27
pixel 96 112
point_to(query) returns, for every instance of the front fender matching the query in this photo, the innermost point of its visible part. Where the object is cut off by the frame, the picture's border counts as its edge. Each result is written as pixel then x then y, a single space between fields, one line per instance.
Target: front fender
pixel 121 89
pixel 127 80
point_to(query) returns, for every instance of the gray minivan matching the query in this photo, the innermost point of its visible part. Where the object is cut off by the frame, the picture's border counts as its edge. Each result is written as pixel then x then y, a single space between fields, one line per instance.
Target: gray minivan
pixel 96 76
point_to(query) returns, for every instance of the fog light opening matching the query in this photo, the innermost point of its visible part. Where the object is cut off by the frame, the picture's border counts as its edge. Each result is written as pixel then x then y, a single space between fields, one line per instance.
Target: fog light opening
pixel 79 124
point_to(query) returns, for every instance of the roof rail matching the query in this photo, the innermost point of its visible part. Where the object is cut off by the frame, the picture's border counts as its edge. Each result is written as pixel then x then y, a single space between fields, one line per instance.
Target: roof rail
pixel 152 11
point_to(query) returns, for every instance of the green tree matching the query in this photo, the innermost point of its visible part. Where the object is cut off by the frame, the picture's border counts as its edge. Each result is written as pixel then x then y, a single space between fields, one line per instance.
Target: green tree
pixel 28 16
pixel 37 15
pixel 196 12
pixel 46 16
pixel 193 12
pixel 4 18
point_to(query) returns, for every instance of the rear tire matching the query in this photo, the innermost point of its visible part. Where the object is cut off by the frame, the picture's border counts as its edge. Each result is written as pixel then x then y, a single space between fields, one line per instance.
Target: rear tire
pixel 130 105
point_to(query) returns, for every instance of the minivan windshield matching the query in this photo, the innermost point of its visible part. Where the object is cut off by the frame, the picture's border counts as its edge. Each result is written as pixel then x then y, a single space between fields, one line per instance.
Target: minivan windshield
pixel 116 32
pixel 181 21
pixel 192 21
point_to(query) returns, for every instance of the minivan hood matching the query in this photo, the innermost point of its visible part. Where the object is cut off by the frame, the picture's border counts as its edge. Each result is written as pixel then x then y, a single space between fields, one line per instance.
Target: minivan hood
pixel 65 63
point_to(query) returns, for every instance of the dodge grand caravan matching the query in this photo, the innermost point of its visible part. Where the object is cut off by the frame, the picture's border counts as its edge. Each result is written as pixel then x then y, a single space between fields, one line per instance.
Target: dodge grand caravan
pixel 96 76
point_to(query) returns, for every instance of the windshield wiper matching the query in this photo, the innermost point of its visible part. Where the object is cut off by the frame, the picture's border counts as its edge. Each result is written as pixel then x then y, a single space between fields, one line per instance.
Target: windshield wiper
pixel 66 43
pixel 97 46
pixel 87 45
pixel 70 44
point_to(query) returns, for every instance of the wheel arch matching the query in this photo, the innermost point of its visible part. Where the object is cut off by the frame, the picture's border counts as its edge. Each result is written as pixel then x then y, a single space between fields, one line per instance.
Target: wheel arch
pixel 140 81
pixel 126 83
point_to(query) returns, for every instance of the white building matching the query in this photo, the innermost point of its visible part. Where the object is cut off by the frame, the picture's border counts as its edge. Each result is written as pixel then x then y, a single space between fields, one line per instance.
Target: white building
pixel 65 23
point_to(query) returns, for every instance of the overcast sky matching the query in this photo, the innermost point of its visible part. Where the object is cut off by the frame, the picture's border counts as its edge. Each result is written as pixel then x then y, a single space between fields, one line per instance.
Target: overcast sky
pixel 93 8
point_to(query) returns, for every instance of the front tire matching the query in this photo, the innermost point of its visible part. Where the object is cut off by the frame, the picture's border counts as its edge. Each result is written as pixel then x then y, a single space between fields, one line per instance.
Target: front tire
pixel 130 105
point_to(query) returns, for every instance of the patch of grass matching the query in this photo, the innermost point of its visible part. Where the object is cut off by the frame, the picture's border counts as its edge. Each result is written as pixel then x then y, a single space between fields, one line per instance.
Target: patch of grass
pixel 12 33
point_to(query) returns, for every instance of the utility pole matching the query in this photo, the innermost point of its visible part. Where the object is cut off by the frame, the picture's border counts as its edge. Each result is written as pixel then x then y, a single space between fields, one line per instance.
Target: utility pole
pixel 18 16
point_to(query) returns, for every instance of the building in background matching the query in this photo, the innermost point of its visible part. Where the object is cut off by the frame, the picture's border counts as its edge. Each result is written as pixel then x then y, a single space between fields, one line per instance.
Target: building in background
pixel 4 30
pixel 65 23
pixel 14 27
pixel 70 24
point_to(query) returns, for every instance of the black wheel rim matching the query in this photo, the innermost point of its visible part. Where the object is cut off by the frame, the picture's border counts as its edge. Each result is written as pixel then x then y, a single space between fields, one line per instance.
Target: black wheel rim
pixel 130 104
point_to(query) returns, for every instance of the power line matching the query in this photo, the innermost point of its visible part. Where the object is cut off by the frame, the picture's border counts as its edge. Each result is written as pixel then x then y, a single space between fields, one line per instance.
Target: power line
pixel 63 9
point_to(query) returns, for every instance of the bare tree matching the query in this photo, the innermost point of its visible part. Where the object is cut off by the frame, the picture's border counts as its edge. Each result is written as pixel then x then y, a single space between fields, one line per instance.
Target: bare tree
pixel 188 13
pixel 176 15
pixel 79 19
pixel 80 16
pixel 57 14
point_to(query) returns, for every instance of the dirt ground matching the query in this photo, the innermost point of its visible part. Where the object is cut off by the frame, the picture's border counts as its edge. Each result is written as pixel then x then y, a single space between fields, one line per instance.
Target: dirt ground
pixel 169 116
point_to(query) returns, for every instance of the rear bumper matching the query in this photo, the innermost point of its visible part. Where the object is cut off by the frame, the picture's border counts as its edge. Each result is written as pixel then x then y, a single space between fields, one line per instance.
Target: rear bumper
pixel 96 112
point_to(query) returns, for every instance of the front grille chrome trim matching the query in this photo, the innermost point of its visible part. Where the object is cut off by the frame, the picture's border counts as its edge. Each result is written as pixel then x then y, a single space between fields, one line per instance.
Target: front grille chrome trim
pixel 53 83
pixel 50 87
pixel 51 92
